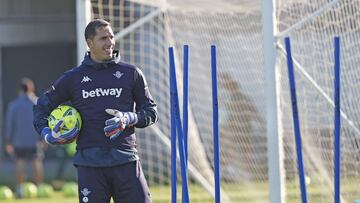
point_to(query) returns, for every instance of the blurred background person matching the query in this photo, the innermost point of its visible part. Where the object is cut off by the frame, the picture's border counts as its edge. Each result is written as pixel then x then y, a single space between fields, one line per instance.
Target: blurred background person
pixel 242 131
pixel 22 142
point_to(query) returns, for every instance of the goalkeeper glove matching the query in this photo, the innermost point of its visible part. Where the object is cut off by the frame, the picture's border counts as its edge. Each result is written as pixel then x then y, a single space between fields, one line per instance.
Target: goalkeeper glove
pixel 55 137
pixel 116 125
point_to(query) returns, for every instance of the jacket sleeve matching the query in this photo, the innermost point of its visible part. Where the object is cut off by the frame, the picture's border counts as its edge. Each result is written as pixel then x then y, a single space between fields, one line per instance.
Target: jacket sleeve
pixel 41 111
pixel 56 95
pixel 146 108
pixel 9 124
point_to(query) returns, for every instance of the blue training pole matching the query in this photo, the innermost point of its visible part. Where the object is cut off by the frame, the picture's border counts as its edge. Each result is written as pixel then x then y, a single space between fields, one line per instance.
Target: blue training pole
pixel 215 125
pixel 296 121
pixel 185 199
pixel 185 109
pixel 186 98
pixel 337 123
pixel 173 128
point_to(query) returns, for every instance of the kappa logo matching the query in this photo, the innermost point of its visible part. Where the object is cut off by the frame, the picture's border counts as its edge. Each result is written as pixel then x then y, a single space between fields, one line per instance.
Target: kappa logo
pixel 85 192
pixel 85 79
pixel 118 74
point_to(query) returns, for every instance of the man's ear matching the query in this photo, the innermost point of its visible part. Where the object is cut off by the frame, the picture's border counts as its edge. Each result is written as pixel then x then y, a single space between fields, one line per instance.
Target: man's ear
pixel 89 43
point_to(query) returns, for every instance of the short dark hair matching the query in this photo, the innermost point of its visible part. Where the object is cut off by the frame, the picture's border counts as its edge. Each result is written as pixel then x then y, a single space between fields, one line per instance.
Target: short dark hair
pixel 90 30
pixel 25 83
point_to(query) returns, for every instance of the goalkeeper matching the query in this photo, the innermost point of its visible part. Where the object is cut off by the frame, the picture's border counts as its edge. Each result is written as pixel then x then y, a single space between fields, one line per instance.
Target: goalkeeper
pixel 113 99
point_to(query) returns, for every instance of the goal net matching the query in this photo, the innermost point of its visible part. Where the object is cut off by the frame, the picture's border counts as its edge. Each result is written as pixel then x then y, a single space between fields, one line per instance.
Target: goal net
pixel 312 26
pixel 144 29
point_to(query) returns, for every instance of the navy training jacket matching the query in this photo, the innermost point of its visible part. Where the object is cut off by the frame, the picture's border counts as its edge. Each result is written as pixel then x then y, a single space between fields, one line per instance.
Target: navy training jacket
pixel 93 87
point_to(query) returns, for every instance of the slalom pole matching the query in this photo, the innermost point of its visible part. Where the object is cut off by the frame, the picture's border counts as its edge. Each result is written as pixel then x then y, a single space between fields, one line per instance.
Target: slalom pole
pixel 215 125
pixel 185 110
pixel 296 121
pixel 185 199
pixel 173 128
pixel 186 98
pixel 337 123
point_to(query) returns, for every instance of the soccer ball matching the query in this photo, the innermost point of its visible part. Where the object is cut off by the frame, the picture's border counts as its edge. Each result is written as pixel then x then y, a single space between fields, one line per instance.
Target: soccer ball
pixel 6 193
pixel 70 189
pixel 70 149
pixel 45 190
pixel 69 115
pixel 28 190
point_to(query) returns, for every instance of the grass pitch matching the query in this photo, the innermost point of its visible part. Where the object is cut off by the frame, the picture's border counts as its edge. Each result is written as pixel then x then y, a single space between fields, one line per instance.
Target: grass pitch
pixel 160 194
pixel 238 193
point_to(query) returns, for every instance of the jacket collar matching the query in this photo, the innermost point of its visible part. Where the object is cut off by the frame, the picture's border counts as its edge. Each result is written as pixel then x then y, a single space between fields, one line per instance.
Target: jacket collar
pixel 89 62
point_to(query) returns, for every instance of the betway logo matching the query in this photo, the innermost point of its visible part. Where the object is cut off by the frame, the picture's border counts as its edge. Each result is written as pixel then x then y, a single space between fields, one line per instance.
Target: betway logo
pixel 100 92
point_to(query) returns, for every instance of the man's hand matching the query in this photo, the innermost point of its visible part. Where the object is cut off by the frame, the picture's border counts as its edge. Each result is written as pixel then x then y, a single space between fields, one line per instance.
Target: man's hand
pixel 55 137
pixel 116 125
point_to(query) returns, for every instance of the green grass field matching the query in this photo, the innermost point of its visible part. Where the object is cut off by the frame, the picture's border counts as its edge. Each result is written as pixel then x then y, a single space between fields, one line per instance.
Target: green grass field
pixel 159 195
pixel 238 193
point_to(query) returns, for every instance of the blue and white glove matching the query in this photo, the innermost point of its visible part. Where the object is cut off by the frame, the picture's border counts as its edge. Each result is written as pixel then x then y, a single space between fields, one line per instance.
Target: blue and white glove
pixel 116 125
pixel 54 137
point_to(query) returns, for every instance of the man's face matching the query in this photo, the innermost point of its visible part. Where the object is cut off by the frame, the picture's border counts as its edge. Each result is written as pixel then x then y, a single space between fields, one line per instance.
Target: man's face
pixel 102 45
